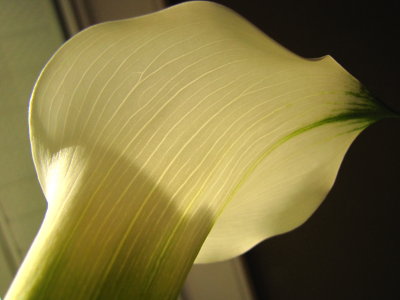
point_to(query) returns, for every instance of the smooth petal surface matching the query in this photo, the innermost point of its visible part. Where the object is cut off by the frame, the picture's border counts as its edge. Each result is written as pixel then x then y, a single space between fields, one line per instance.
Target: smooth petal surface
pixel 151 133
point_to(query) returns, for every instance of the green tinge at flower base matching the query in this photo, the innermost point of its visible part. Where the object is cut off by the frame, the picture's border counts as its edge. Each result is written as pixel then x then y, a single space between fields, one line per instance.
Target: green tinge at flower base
pixel 180 134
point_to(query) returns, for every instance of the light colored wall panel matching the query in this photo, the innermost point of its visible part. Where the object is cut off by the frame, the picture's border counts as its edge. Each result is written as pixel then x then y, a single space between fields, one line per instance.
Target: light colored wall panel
pixel 217 281
pixel 29 35
pixel 5 274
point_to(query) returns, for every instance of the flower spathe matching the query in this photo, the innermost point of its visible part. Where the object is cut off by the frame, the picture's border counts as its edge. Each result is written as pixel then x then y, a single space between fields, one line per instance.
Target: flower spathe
pixel 180 135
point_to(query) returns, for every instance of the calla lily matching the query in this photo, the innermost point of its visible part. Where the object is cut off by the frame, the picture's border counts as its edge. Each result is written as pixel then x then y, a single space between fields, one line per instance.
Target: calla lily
pixel 182 135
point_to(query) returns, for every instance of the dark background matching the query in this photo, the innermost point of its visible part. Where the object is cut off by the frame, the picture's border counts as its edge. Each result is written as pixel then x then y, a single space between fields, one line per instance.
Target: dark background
pixel 349 248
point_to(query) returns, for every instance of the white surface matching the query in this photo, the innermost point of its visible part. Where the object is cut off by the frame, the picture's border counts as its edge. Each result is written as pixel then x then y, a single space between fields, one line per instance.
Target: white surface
pixel 218 281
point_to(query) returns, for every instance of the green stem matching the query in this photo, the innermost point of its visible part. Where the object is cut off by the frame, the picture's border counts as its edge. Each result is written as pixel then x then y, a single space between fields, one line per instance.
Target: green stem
pixel 116 246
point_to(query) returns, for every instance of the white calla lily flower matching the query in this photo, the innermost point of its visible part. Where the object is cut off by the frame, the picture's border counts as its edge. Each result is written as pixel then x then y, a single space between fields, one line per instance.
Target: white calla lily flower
pixel 182 135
